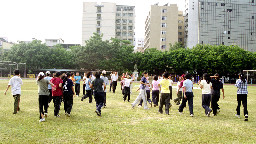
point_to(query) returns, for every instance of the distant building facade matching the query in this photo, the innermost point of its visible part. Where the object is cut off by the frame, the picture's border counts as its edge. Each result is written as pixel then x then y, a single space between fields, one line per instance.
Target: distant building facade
pixel 53 42
pixel 139 45
pixel 221 22
pixel 108 19
pixel 161 27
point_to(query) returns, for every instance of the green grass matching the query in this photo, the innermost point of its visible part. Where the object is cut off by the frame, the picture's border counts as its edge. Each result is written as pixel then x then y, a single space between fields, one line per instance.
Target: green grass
pixel 120 123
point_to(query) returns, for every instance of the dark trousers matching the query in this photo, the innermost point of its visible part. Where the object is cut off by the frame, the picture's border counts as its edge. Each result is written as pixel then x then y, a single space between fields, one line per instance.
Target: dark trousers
pixel 155 97
pixel 105 99
pixel 148 97
pixel 84 85
pixel 189 98
pixel 114 84
pixel 16 103
pixel 68 102
pixel 206 100
pixel 242 98
pixel 77 89
pixel 127 92
pixel 170 88
pixel 50 96
pixel 99 98
pixel 164 100
pixel 110 86
pixel 56 101
pixel 43 104
pixel 214 104
pixel 179 97
pixel 88 94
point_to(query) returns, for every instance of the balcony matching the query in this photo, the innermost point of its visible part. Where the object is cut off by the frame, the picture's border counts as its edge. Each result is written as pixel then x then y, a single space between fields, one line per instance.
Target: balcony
pixel 98 18
pixel 98 25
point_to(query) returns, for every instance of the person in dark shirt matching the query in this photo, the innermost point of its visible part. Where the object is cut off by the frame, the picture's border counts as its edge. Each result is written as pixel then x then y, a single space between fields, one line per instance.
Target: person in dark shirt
pixel 68 92
pixel 216 85
pixel 96 85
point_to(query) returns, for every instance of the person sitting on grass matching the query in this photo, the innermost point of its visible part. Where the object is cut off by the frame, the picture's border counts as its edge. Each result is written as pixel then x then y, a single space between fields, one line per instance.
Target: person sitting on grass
pixel 15 83
pixel 96 85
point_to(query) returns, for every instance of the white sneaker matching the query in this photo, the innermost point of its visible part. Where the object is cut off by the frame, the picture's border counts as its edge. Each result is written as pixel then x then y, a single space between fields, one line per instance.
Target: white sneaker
pixel 68 115
pixel 191 115
pixel 42 120
pixel 180 113
pixel 238 116
pixel 146 108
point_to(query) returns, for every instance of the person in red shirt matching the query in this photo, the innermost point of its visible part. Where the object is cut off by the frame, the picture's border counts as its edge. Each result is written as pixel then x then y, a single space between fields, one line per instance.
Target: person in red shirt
pixel 57 93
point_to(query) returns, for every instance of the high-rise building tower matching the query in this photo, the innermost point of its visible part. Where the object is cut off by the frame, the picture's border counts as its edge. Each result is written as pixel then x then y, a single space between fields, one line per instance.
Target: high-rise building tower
pixel 109 19
pixel 161 27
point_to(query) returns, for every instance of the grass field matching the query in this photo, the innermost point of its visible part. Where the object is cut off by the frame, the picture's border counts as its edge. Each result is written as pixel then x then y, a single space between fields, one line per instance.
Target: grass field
pixel 120 123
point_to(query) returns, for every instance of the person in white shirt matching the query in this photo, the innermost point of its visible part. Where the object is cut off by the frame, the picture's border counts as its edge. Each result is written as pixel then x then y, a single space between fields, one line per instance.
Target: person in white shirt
pixel 170 86
pixel 179 92
pixel 127 84
pixel 114 81
pixel 105 78
pixel 206 87
pixel 15 83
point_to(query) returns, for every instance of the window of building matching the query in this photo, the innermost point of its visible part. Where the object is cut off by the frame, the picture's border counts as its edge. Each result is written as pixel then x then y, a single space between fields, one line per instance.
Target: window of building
pixel 222 4
pixel 130 34
pixel 222 43
pixel 216 4
pixel 228 37
pixel 164 10
pixel 180 33
pixel 180 27
pixel 252 1
pixel 118 33
pixel 163 47
pixel 163 24
pixel 118 27
pixel 98 30
pixel 180 21
pixel 118 14
pixel 180 39
pixel 124 21
pixel 130 28
pixel 98 23
pixel 202 42
pixel 229 10
pixel 124 33
pixel 118 21
pixel 98 9
pixel 163 39
pixel 130 14
pixel 164 17
pixel 252 17
pixel 130 21
pixel 163 32
pixel 125 14
pixel 118 9
pixel 124 27
pixel 202 3
pixel 228 32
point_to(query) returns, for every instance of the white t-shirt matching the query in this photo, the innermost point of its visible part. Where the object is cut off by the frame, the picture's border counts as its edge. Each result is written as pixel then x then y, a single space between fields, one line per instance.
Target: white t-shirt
pixel 15 82
pixel 114 77
pixel 171 82
pixel 127 82
pixel 105 81
pixel 206 87
pixel 178 84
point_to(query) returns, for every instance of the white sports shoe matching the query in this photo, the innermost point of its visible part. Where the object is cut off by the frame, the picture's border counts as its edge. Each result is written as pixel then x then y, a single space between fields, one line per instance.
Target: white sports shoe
pixel 238 116
pixel 42 120
pixel 191 115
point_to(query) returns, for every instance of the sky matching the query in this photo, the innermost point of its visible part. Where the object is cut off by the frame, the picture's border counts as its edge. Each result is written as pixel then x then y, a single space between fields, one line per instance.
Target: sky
pixel 22 20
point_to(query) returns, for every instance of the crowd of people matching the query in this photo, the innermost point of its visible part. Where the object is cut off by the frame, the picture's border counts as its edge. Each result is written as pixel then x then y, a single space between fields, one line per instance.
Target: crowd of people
pixel 62 87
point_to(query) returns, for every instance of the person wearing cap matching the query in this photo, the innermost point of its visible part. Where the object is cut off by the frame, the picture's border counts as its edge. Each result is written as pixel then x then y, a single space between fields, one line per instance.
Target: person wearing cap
pixel 15 83
pixel 43 93
pixel 105 78
pixel 48 77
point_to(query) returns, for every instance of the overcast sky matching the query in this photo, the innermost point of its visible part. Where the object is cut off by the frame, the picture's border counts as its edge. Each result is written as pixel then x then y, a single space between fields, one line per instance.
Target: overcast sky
pixel 52 19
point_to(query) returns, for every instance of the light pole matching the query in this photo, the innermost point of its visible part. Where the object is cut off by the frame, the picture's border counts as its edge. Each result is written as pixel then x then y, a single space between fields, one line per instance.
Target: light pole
pixel 11 68
pixel 24 70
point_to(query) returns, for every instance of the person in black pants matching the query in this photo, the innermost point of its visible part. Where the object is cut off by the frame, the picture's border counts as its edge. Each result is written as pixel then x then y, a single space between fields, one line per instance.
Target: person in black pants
pixel 96 85
pixel 216 86
pixel 68 92
pixel 242 92
pixel 114 81
pixel 87 88
pixel 188 95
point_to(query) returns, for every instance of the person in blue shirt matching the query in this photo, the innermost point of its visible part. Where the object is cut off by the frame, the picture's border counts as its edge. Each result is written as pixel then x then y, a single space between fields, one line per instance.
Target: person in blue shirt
pixel 77 85
pixel 88 82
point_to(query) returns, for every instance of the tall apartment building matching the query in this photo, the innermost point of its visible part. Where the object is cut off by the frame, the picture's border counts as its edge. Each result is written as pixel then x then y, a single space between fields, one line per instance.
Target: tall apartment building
pixel 222 22
pixel 181 26
pixel 109 19
pixel 161 27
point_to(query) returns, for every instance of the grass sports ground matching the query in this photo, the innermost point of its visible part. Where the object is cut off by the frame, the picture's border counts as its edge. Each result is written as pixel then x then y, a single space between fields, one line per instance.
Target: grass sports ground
pixel 120 123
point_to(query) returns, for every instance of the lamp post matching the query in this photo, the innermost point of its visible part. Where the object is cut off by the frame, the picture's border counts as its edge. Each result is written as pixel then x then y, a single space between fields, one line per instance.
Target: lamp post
pixel 11 68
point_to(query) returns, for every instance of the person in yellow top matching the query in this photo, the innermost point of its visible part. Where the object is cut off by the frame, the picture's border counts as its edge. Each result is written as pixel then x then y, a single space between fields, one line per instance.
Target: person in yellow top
pixel 73 77
pixel 165 94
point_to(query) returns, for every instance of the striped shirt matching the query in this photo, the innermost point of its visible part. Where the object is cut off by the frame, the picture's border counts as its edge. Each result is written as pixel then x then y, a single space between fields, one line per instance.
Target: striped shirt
pixel 242 87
